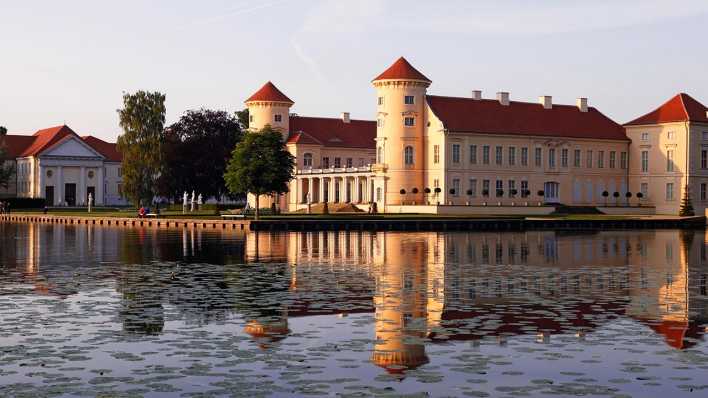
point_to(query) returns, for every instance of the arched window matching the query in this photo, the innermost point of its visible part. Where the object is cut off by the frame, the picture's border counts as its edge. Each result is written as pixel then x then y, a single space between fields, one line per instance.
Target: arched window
pixel 307 160
pixel 408 155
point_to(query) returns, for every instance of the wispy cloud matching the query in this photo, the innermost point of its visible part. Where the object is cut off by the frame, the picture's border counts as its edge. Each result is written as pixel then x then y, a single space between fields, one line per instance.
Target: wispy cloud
pixel 243 8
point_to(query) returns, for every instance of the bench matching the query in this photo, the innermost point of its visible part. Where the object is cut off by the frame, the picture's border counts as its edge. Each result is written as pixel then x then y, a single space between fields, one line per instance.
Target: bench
pixel 233 216
pixel 152 215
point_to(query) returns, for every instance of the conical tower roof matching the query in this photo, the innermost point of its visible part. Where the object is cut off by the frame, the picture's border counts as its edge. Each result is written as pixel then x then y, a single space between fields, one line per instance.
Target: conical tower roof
pixel 402 69
pixel 269 93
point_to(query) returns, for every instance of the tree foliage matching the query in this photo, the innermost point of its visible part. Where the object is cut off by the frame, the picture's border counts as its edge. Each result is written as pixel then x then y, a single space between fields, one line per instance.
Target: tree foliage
pixel 686 208
pixel 6 171
pixel 195 152
pixel 260 165
pixel 243 118
pixel 142 119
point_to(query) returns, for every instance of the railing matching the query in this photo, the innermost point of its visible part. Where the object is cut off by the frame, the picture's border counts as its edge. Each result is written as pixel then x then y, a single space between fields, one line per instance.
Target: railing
pixel 335 170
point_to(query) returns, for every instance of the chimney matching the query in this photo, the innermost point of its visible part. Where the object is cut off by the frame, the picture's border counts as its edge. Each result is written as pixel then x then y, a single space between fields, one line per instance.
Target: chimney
pixel 546 101
pixel 503 98
pixel 476 95
pixel 582 104
pixel 345 117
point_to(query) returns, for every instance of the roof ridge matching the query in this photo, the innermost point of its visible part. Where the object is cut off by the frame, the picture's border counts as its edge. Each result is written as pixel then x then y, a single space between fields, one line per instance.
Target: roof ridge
pixel 510 101
pixel 683 105
pixel 332 118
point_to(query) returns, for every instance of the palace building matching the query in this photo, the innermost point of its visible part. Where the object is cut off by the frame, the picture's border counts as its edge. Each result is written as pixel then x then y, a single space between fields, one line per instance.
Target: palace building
pixel 436 154
pixel 64 168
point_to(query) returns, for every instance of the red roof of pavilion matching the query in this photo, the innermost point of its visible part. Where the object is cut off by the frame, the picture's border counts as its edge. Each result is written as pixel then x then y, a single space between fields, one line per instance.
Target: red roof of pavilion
pixel 107 149
pixel 486 116
pixel 332 132
pixel 33 145
pixel 680 108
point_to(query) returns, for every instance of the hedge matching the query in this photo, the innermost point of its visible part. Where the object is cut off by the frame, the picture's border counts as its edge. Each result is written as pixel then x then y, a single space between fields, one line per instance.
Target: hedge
pixel 24 203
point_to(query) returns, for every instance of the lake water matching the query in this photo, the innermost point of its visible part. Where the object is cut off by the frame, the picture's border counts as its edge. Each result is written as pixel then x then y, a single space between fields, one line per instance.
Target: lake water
pixel 89 311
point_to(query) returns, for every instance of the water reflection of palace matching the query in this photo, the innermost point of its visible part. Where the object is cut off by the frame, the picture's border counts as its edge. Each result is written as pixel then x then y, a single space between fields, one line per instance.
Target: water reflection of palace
pixel 467 286
pixel 421 287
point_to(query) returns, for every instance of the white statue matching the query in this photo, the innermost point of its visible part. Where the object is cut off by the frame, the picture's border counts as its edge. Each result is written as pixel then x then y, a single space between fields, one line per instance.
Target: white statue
pixel 193 202
pixel 90 201
pixel 199 200
pixel 185 202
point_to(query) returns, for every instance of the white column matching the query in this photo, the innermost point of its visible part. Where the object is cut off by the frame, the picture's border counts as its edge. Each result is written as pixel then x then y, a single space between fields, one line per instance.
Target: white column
pixel 321 189
pixel 99 186
pixel 359 194
pixel 59 186
pixel 39 192
pixel 81 194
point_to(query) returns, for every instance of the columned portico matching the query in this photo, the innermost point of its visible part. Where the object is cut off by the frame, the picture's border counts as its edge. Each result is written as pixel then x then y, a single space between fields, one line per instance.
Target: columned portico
pixel 345 185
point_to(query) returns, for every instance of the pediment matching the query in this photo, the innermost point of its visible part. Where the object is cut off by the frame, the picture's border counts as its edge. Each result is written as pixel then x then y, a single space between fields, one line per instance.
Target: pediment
pixel 73 147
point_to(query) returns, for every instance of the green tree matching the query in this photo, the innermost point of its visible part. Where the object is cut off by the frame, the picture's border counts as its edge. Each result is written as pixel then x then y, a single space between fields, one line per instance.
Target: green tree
pixel 260 165
pixel 243 118
pixel 142 120
pixel 195 152
pixel 686 208
pixel 6 171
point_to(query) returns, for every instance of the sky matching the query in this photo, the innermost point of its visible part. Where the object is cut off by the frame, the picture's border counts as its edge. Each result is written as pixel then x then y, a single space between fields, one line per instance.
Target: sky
pixel 71 61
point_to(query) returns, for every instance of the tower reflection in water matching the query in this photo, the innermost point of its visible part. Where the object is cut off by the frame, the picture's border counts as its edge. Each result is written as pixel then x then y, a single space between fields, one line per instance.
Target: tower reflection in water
pixel 422 288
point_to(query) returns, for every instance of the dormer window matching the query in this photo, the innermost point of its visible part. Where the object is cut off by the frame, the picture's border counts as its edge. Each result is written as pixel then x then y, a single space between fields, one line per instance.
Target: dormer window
pixel 278 118
pixel 409 100
pixel 409 121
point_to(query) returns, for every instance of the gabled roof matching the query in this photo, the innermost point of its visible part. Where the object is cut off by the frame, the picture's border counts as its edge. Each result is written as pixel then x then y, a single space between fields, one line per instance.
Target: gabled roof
pixel 33 145
pixel 402 69
pixel 333 132
pixel 46 138
pixel 466 115
pixel 107 149
pixel 269 93
pixel 680 108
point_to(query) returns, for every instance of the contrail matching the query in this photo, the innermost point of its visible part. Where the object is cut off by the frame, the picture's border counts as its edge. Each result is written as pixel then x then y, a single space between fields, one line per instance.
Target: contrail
pixel 236 11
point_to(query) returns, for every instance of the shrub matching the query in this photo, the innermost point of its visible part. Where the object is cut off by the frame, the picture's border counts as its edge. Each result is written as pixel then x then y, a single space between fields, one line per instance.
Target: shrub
pixel 24 203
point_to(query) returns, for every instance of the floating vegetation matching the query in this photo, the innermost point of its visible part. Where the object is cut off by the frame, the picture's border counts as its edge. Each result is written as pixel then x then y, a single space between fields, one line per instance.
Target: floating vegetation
pixel 108 312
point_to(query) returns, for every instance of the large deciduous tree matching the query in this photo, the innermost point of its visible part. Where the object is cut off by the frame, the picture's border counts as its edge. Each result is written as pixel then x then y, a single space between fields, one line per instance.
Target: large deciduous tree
pixel 195 152
pixel 260 165
pixel 142 119
pixel 6 171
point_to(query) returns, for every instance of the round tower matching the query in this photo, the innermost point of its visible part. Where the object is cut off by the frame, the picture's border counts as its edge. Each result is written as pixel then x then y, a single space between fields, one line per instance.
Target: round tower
pixel 269 106
pixel 401 120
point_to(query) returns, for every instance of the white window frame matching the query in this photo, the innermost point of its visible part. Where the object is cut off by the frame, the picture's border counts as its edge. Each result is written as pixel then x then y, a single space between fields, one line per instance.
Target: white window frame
pixel 409 121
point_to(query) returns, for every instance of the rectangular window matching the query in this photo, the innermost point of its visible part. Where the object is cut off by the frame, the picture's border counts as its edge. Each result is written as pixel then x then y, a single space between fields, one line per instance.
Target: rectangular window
pixel 511 184
pixel 120 171
pixel 498 153
pixel 350 162
pixel 500 188
pixel 669 191
pixel 455 153
pixel 588 159
pixel 524 188
pixel 485 154
pixel 251 118
pixel 703 191
pixel 512 155
pixel 473 188
pixel 670 135
pixel 623 160
pixel 473 154
pixel 670 160
pixel 409 121
pixel 436 183
pixel 379 123
pixel 704 159
pixel 524 156
pixel 705 136
pixel 645 136
pixel 552 158
pixel 576 158
pixel 337 162
pixel 456 186
pixel 278 118
pixel 645 161
pixel 644 189
pixel 537 152
pixel 325 162
pixel 613 159
pixel 564 157
pixel 409 100
pixel 600 159
pixel 485 187
pixel 381 100
pixel 436 154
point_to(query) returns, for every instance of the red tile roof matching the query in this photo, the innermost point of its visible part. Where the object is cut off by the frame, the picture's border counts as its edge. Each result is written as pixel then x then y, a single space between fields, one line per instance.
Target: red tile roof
pixel 269 93
pixel 46 138
pixel 107 149
pixel 333 132
pixel 402 69
pixel 681 108
pixel 466 115
pixel 33 145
